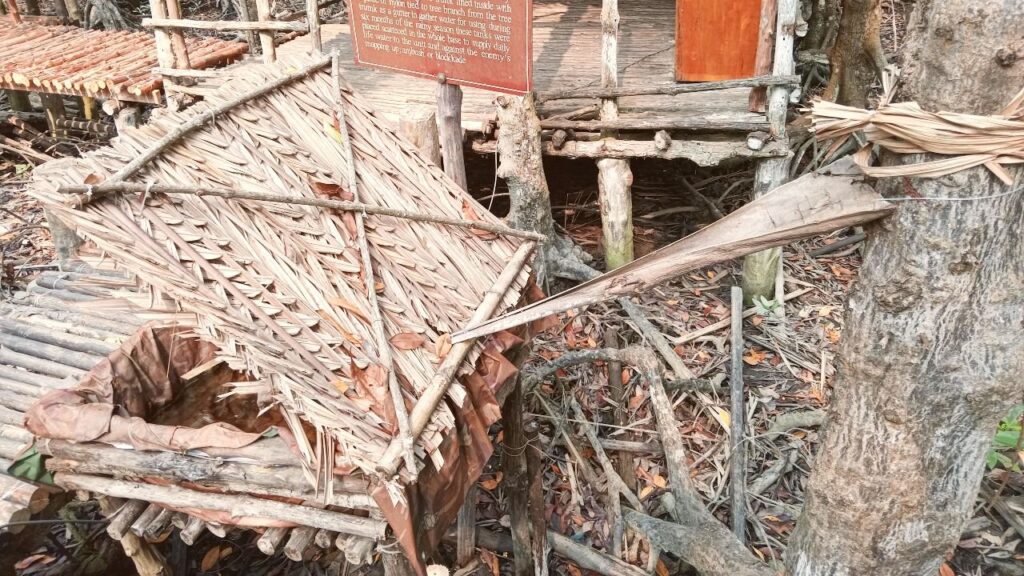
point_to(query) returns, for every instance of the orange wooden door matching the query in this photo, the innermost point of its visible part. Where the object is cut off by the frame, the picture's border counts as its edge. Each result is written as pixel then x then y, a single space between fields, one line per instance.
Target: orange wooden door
pixel 716 39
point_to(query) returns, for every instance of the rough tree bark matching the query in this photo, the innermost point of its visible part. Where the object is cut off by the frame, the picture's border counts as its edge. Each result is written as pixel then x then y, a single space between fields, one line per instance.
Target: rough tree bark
pixel 522 168
pixel 822 24
pixel 932 354
pixel 856 57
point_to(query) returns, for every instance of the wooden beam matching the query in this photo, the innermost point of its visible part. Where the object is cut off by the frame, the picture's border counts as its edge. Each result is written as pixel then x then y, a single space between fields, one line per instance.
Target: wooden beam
pixel 694 123
pixel 672 89
pixel 702 152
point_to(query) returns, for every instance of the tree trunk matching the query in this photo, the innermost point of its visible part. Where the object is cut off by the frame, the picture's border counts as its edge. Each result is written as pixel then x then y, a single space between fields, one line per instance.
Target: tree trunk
pixel 932 354
pixel 856 59
pixel 822 24
pixel 522 168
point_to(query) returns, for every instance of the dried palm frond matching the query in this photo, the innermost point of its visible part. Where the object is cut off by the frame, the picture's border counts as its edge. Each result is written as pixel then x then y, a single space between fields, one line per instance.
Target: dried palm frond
pixel 967 139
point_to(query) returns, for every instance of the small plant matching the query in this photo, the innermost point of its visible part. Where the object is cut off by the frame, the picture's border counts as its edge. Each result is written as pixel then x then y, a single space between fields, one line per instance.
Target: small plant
pixel 765 307
pixel 1007 442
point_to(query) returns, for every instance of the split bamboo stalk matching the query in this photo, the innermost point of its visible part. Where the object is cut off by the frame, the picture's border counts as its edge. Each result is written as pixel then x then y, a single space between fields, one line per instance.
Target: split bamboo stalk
pixel 446 372
pixel 236 505
pixel 369 279
pixel 89 193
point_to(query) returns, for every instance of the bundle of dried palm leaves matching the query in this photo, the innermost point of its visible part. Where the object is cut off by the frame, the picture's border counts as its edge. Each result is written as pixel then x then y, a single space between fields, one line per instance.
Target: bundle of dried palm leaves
pixel 968 140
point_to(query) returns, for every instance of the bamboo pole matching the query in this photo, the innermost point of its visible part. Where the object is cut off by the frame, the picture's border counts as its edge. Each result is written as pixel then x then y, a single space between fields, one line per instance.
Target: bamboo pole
pixel 87 193
pixel 738 460
pixel 380 334
pixel 614 175
pixel 236 505
pixel 446 372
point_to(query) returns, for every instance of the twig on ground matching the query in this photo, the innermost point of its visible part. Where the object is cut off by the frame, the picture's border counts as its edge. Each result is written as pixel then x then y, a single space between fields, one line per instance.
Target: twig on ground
pixel 738 462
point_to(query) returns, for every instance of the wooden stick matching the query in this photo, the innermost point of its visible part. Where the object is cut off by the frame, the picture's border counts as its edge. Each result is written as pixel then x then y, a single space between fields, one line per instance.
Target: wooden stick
pixel 763 58
pixel 369 279
pixel 710 328
pixel 590 559
pixel 242 7
pixel 517 481
pixel 223 25
pixel 173 136
pixel 438 387
pixel 192 531
pixel 88 193
pixel 738 463
pixel 299 542
pixel 236 505
pixel 614 480
pixel 666 89
pixel 126 515
pixel 271 539
pixel 178 47
pixel 449 116
pixel 266 37
pixel 148 562
pixel 313 25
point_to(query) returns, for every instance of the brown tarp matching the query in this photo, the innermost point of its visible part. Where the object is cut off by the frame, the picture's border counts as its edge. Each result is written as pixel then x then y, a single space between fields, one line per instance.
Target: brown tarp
pixel 112 401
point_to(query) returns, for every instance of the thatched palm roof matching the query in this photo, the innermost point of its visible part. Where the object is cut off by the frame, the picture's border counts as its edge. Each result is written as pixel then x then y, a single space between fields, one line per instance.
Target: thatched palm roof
pixel 279 288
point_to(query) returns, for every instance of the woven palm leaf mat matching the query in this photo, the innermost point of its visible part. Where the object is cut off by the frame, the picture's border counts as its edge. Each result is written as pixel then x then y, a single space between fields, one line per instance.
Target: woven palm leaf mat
pixel 279 288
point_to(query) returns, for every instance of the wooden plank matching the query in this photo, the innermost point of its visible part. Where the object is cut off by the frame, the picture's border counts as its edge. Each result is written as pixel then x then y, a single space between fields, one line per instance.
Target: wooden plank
pixel 716 40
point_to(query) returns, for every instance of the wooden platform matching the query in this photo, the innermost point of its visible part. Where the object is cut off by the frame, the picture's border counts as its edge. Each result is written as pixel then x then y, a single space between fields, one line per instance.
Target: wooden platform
pixel 567 47
pixel 72 61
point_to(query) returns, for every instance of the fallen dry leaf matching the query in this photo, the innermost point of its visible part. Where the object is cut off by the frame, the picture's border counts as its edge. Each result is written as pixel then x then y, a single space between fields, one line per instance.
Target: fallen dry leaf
pixel 350 306
pixel 442 346
pixel 754 356
pixel 492 483
pixel 946 570
pixel 408 341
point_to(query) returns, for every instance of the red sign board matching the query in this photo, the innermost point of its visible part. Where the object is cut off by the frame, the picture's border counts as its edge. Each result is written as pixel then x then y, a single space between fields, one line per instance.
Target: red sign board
pixel 481 43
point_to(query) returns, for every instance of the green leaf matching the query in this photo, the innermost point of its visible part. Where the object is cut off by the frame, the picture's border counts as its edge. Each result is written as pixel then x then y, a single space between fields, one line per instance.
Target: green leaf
pixel 991 459
pixel 1007 438
pixel 30 466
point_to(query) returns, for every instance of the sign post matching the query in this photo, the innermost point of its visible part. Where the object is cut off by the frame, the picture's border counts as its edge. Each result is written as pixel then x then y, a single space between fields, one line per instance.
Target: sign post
pixel 484 44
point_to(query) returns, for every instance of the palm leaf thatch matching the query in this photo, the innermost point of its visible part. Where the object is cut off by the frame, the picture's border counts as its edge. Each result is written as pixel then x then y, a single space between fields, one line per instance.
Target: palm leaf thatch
pixel 281 289
pixel 967 140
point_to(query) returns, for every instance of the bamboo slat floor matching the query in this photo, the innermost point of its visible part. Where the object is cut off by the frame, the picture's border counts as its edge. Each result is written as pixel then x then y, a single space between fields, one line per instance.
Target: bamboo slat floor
pixel 97 63
pixel 567 45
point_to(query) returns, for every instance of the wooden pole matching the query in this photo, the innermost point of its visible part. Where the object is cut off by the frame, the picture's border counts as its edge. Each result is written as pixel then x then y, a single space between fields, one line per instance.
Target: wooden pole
pixel 614 175
pixel 442 380
pixel 178 497
pixel 738 462
pixel 513 462
pixel 418 124
pixel 313 20
pixel 164 52
pixel 86 193
pixel 178 48
pixel 74 12
pixel 449 113
pixel 12 11
pixel 18 101
pixel 761 270
pixel 266 37
pixel 53 104
pixel 763 59
pixel 244 15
